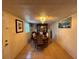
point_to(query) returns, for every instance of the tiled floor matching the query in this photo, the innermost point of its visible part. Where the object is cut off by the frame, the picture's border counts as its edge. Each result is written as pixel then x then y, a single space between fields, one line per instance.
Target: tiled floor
pixel 53 51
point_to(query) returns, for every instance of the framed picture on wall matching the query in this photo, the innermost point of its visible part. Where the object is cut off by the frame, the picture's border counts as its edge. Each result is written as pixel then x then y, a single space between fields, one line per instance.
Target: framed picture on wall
pixel 42 27
pixel 65 23
pixel 19 26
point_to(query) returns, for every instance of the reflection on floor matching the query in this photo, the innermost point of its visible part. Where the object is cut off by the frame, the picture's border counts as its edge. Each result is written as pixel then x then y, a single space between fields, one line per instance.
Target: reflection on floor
pixel 53 51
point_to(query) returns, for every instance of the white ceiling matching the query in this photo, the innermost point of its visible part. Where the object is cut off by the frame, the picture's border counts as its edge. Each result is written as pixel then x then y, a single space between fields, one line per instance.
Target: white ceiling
pixel 33 8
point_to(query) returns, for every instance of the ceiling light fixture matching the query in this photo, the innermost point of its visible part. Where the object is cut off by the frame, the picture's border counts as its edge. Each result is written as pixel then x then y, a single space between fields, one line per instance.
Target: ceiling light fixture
pixel 44 18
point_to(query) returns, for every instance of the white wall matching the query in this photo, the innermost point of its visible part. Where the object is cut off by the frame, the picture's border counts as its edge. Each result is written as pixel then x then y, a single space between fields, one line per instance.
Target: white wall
pixel 17 41
pixel 67 37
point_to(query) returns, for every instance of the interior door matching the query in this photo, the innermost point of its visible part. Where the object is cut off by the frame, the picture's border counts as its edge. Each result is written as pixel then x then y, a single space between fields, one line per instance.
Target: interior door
pixel 5 37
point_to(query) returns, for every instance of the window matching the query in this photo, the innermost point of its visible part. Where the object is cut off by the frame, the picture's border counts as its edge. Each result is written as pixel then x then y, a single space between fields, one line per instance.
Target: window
pixel 26 27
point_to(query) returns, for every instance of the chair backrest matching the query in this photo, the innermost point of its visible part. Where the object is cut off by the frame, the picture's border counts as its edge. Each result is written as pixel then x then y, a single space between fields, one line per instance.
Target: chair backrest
pixel 33 34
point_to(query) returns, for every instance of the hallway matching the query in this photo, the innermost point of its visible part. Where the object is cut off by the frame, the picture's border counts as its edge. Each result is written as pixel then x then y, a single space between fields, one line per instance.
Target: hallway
pixel 39 29
pixel 53 51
